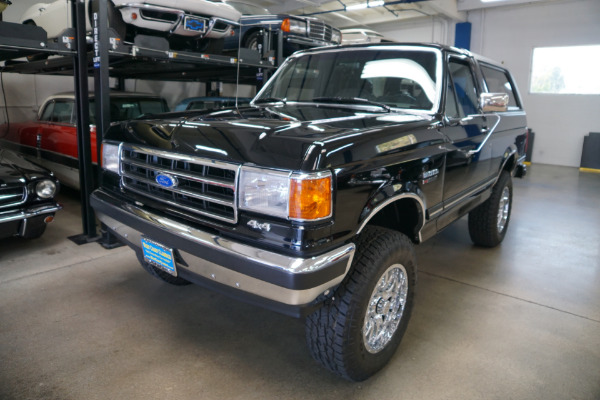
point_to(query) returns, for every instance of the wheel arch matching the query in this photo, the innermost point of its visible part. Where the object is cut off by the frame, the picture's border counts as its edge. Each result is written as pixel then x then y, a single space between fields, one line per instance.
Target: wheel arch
pixel 509 160
pixel 249 32
pixel 403 212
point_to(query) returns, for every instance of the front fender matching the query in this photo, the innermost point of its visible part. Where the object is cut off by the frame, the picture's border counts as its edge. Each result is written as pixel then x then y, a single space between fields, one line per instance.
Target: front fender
pixel 32 13
pixel 399 206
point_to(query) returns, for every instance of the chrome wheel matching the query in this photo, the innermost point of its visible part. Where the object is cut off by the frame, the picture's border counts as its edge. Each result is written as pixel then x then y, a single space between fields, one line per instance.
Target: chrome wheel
pixel 385 308
pixel 503 209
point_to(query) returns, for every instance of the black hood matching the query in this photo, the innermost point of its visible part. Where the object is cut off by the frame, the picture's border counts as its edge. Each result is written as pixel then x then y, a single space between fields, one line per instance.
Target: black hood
pixel 298 137
pixel 15 169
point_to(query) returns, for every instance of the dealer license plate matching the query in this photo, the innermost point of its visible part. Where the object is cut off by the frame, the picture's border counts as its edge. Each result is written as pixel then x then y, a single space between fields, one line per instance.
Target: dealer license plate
pixel 158 255
pixel 194 24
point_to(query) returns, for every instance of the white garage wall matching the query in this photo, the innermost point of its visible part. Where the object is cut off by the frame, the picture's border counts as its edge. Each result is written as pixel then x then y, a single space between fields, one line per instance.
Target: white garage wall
pixel 432 29
pixel 509 34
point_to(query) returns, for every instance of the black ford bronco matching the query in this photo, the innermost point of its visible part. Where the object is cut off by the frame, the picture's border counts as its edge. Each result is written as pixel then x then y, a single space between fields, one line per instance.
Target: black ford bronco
pixel 309 201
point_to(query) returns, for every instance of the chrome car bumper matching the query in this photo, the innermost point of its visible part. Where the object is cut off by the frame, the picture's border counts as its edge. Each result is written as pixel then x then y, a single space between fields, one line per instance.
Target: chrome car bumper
pixel 31 212
pixel 286 280
pixel 172 20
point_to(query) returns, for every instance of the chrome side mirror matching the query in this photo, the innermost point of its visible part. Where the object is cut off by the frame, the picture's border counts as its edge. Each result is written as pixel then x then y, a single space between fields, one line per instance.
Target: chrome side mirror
pixel 493 102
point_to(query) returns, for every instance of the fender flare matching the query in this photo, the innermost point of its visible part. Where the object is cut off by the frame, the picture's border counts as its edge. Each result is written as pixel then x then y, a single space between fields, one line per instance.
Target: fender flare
pixel 397 197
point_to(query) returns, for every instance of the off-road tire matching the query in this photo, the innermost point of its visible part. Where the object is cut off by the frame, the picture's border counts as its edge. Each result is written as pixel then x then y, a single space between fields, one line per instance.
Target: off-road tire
pixel 334 333
pixel 485 227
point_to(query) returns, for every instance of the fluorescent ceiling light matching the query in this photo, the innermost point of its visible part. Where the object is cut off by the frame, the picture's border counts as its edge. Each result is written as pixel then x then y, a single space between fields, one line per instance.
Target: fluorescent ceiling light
pixel 369 4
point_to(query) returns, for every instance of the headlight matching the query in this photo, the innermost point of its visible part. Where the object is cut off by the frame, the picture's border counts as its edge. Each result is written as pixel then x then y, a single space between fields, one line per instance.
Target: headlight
pixel 265 191
pixel 336 36
pixel 286 195
pixel 110 157
pixel 45 189
pixel 294 26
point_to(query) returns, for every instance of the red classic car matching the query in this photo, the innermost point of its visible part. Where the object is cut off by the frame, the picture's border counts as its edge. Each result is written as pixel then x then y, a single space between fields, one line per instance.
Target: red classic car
pixel 51 140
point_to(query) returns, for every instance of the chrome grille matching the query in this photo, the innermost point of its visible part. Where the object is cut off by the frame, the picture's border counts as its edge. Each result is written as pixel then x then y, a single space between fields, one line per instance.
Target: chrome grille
pixel 203 186
pixel 320 31
pixel 12 196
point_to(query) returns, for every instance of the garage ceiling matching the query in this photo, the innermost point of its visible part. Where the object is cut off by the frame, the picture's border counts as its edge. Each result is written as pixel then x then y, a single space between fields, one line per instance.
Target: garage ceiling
pixel 346 13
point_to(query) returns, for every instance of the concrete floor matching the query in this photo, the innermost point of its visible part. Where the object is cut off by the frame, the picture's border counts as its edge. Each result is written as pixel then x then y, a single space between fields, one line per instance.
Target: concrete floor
pixel 521 321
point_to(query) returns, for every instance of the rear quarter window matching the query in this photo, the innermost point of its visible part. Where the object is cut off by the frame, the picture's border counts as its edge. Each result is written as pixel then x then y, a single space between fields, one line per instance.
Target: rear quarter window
pixel 498 81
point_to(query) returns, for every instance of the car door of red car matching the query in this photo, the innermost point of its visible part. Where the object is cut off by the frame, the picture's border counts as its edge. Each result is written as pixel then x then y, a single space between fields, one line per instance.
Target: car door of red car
pixel 59 134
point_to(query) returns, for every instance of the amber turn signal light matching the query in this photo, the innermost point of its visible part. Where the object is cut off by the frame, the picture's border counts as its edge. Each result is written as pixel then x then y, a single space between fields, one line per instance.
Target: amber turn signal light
pixel 310 199
pixel 285 25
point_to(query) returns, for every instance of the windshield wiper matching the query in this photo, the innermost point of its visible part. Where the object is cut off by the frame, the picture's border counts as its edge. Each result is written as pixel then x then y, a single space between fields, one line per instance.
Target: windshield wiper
pixel 269 100
pixel 350 100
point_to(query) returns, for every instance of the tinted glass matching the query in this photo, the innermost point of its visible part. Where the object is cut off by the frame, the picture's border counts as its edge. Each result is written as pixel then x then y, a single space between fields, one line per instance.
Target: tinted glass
pixel 47 113
pixel 63 112
pixel 451 106
pixel 497 81
pixel 124 108
pixel 464 87
pixel 402 79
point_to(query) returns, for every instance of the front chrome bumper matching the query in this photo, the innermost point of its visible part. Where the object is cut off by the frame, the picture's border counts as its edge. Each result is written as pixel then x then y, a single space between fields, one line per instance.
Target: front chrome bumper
pixel 175 27
pixel 291 281
pixel 27 213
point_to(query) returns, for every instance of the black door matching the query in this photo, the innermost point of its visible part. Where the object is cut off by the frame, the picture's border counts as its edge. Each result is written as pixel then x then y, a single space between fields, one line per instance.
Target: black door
pixel 468 160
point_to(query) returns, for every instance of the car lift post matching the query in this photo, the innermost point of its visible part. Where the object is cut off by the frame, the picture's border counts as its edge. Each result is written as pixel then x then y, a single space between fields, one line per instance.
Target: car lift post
pixel 86 176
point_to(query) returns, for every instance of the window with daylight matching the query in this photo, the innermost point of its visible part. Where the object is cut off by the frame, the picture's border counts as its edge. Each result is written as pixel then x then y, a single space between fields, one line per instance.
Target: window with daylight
pixel 566 70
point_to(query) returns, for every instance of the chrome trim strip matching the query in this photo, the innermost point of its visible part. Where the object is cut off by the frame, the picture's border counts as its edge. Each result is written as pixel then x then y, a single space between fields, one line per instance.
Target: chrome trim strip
pixel 22 198
pixel 178 13
pixel 32 212
pixel 480 188
pixel 182 157
pixel 392 200
pixel 204 162
pixel 195 210
pixel 233 279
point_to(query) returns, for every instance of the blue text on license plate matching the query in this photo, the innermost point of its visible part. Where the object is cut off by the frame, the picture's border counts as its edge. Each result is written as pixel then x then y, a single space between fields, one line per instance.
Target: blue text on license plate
pixel 194 24
pixel 159 256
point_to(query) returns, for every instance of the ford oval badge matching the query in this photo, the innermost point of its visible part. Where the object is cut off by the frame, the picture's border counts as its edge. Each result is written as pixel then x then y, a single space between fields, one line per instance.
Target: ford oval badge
pixel 165 180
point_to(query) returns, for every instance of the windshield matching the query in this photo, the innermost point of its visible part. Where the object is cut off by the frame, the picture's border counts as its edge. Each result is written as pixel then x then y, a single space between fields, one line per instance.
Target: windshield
pixel 398 77
pixel 125 108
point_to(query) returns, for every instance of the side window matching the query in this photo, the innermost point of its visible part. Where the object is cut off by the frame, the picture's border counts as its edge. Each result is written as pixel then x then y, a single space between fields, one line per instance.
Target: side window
pixel 498 81
pixel 464 86
pixel 47 113
pixel 63 112
pixel 451 107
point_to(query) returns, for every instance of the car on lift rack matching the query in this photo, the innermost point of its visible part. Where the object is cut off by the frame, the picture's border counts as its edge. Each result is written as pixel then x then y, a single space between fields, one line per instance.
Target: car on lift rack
pixel 299 32
pixel 185 21
pixel 26 196
pixel 361 35
pixel 51 140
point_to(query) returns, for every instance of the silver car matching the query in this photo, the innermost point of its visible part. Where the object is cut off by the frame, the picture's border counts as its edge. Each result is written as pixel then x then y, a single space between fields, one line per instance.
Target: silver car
pixel 194 19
